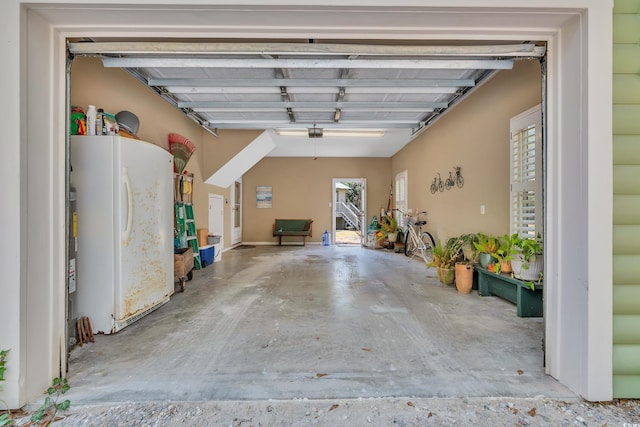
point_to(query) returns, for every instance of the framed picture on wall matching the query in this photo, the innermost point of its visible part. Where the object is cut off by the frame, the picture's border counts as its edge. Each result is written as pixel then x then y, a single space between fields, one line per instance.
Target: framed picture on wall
pixel 264 196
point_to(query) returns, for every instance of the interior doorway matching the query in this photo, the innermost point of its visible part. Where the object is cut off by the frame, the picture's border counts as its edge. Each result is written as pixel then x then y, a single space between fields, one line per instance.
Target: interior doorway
pixel 349 210
pixel 216 217
pixel 236 212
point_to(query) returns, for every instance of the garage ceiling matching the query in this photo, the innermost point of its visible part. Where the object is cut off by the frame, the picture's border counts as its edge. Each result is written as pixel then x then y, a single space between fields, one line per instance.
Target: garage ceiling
pixel 310 88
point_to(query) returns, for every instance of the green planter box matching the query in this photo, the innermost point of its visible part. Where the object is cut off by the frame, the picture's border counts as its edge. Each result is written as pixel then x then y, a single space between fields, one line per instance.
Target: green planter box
pixel 528 302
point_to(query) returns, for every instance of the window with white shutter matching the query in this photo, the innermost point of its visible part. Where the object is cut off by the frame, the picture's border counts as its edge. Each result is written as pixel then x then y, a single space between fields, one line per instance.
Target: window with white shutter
pixel 526 173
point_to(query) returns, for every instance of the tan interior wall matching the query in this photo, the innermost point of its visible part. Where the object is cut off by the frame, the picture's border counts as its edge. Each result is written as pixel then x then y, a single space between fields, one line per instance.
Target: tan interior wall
pixel 475 136
pixel 302 188
pixel 219 151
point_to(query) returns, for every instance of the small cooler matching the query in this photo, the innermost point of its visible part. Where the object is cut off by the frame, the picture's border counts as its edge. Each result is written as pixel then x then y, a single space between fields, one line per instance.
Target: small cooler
pixel 207 254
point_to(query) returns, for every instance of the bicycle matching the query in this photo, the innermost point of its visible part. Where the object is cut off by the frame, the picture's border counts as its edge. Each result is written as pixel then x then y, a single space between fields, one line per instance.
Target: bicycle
pixel 437 184
pixel 456 179
pixel 416 241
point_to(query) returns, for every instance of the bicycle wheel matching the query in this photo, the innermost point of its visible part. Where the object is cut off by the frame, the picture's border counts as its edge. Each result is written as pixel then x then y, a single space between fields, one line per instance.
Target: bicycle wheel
pixel 434 188
pixel 441 186
pixel 448 184
pixel 409 244
pixel 459 181
pixel 429 243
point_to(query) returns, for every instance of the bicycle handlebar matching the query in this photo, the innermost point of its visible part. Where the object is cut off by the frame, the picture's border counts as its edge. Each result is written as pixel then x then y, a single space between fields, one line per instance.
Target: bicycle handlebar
pixel 404 213
pixel 409 217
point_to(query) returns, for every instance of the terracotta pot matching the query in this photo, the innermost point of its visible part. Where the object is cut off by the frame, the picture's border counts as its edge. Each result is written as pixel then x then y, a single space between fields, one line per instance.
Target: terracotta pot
pixel 505 266
pixel 464 277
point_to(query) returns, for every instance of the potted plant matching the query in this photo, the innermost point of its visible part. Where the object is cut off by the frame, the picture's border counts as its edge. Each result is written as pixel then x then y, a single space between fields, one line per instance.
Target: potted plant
pixel 469 251
pixel 486 245
pixel 464 276
pixel 388 229
pixel 444 259
pixel 505 252
pixel 466 256
pixel 527 262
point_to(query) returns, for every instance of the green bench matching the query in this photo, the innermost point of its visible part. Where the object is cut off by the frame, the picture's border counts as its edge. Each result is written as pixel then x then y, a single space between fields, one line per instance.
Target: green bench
pixel 528 302
pixel 292 227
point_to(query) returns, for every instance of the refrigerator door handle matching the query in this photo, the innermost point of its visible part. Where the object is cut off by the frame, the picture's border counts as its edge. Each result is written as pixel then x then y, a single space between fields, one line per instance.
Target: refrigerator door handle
pixel 127 185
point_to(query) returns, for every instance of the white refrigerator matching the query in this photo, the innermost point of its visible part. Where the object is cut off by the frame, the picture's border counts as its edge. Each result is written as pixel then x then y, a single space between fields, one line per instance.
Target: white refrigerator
pixel 124 193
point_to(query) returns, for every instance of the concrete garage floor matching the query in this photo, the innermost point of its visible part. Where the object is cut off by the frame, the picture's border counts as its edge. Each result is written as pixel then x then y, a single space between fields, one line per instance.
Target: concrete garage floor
pixel 316 322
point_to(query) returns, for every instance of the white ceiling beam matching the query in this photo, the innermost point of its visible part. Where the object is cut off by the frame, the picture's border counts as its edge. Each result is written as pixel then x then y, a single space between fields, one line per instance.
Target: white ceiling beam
pixel 270 49
pixel 422 64
pixel 307 90
pixel 285 104
pixel 329 124
pixel 372 108
pixel 313 82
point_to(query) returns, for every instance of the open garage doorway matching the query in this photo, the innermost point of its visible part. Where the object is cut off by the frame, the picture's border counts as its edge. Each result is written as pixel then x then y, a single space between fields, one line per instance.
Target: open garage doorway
pixel 349 210
pixel 580 35
pixel 263 319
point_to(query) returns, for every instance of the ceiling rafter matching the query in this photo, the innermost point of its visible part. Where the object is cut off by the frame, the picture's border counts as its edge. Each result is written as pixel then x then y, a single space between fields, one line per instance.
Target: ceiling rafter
pixel 301 104
pixel 310 49
pixel 315 82
pixel 257 63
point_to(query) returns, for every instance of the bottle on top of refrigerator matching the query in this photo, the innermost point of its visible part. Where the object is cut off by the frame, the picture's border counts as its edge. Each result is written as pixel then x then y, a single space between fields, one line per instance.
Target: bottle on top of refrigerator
pixel 100 130
pixel 91 120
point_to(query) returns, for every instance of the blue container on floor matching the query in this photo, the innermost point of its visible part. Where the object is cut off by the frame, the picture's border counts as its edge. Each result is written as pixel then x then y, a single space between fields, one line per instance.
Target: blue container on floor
pixel 207 254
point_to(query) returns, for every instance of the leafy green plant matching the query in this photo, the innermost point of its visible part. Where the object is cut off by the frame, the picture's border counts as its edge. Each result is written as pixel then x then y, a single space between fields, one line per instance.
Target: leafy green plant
pixel 46 413
pixel 6 418
pixel 486 244
pixel 495 267
pixel 388 225
pixel 470 253
pixel 446 256
pixel 507 247
pixel 529 247
pixel 3 368
pixel 527 250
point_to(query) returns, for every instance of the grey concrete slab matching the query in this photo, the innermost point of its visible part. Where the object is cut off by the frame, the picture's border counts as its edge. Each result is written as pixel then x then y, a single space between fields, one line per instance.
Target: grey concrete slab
pixel 317 322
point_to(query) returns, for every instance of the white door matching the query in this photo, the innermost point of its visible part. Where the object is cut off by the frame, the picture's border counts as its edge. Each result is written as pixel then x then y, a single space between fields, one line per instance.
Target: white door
pixel 216 217
pixel 400 193
pixel 236 212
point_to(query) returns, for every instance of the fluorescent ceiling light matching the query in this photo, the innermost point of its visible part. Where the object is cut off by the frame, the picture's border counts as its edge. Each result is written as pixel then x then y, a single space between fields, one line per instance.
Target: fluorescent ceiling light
pixel 332 132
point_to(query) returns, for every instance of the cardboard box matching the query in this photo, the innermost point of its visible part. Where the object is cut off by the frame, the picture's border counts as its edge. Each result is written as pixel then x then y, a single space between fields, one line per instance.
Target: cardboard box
pixel 203 234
